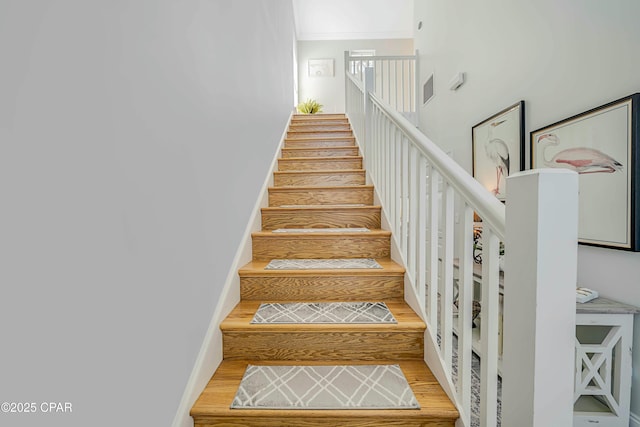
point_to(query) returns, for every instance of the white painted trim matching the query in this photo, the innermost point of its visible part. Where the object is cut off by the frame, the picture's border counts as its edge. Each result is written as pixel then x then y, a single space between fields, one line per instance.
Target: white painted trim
pixel 356 35
pixel 634 420
pixel 210 355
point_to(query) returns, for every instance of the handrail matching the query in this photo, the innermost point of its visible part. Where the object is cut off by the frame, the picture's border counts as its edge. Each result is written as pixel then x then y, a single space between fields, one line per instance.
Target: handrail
pixel 430 203
pixel 418 185
pixel 358 83
pixel 487 206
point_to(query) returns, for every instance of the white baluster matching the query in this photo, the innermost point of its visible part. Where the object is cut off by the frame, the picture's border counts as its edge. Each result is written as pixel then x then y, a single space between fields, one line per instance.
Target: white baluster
pixel 489 328
pixel 432 251
pixel 446 276
pixel 465 307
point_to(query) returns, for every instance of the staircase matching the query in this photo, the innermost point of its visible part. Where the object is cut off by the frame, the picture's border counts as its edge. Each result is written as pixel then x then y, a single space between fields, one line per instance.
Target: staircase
pixel 320 184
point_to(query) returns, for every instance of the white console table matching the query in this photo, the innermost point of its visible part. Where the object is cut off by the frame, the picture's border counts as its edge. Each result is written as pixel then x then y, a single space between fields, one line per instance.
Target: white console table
pixel 604 338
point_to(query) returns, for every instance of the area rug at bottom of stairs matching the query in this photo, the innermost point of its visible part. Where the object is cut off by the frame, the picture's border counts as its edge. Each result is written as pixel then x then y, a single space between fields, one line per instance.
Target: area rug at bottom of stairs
pixel 323 312
pixel 321 264
pixel 324 387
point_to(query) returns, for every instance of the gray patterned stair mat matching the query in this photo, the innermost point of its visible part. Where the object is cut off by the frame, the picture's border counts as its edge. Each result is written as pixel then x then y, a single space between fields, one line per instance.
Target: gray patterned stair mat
pixel 322 230
pixel 327 312
pixel 322 264
pixel 324 387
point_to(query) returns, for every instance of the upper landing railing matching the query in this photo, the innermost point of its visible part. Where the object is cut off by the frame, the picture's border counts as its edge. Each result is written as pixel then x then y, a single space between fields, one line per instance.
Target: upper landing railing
pixel 396 80
pixel 431 205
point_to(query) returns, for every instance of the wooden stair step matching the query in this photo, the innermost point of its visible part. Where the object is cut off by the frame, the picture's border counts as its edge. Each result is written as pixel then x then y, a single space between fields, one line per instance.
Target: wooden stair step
pixel 319 163
pixel 321 178
pixel 319 127
pixel 359 284
pixel 321 152
pixel 401 341
pixel 268 245
pixel 320 121
pixel 321 195
pixel 213 405
pixel 319 134
pixel 321 217
pixel 319 142
pixel 319 116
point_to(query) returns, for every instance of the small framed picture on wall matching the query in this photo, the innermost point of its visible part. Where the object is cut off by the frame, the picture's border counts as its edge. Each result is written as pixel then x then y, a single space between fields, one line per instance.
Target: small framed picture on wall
pixel 498 148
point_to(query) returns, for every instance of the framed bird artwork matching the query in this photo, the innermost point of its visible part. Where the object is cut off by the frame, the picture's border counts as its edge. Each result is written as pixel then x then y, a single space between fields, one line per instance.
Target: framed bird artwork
pixel 601 145
pixel 498 148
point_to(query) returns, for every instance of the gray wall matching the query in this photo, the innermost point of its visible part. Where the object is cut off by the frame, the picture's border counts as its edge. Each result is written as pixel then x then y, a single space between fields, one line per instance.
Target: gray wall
pixel 134 139
pixel 562 57
pixel 329 91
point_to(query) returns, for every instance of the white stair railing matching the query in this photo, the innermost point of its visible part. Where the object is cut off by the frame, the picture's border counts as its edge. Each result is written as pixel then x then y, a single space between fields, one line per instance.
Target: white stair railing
pixel 396 80
pixel 430 203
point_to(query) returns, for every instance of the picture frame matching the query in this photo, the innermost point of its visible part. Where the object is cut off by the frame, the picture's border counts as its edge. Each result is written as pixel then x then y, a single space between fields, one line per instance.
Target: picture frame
pixel 603 146
pixel 498 148
pixel 321 67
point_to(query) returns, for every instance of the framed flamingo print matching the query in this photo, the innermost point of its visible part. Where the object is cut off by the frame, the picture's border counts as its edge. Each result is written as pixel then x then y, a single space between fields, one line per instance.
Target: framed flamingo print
pixel 601 145
pixel 498 148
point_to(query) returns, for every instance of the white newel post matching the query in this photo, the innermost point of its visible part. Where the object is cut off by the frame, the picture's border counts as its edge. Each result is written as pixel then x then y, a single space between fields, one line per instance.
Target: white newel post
pixel 539 301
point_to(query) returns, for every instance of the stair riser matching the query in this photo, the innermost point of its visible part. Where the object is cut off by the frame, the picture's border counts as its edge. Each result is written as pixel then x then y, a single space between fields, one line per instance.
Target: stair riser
pixel 321 116
pixel 347 345
pixel 319 142
pixel 326 134
pixel 281 179
pixel 311 218
pixel 319 164
pixel 320 122
pixel 322 288
pixel 299 247
pixel 262 420
pixel 321 152
pixel 320 196
pixel 313 127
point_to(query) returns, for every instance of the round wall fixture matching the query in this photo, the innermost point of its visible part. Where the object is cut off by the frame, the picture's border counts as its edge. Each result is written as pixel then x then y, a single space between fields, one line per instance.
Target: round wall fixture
pixel 420 25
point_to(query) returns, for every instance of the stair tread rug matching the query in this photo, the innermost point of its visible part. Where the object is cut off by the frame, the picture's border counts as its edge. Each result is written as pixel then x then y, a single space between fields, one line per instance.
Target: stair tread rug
pixel 324 313
pixel 322 230
pixel 324 387
pixel 322 264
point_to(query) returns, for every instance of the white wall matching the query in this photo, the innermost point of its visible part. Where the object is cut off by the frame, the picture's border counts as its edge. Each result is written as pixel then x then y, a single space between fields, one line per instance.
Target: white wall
pixel 562 57
pixel 329 91
pixel 134 139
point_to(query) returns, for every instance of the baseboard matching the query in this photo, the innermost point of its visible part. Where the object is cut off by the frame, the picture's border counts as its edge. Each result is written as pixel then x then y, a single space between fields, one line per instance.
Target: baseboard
pixel 210 355
pixel 634 420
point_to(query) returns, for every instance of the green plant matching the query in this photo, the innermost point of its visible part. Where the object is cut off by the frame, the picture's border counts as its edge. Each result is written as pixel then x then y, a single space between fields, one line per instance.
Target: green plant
pixel 310 106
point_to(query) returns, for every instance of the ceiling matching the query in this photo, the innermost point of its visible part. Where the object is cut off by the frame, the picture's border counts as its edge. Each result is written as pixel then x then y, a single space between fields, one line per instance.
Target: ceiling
pixel 353 19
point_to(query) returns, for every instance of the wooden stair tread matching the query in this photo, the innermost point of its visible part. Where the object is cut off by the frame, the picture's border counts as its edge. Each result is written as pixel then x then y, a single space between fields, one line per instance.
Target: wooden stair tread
pixel 213 405
pixel 319 194
pixel 320 208
pixel 371 233
pixel 240 320
pixel 320 159
pixel 338 151
pixel 321 138
pixel 319 116
pixel 319 171
pixel 389 267
pixel 293 188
